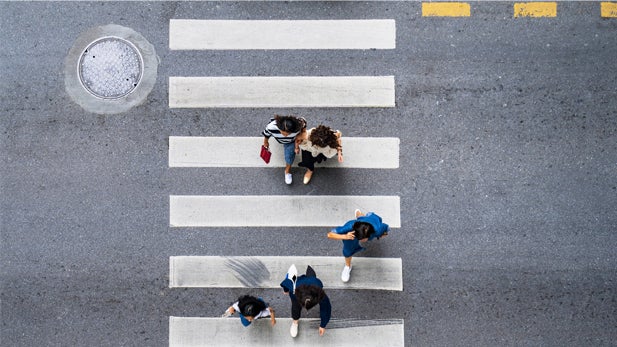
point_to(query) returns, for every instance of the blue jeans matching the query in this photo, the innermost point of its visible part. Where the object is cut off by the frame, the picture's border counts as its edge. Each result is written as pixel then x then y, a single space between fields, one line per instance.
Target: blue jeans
pixel 290 154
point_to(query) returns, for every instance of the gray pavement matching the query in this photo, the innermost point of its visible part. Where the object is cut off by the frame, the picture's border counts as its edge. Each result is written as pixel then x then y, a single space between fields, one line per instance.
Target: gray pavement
pixel 508 176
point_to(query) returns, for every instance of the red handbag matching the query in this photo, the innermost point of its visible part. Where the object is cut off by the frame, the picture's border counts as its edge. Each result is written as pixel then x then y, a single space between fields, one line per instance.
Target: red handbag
pixel 265 154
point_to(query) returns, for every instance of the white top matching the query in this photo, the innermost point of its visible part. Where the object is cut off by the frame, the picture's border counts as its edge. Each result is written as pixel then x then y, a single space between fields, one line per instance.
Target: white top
pixel 307 145
pixel 262 314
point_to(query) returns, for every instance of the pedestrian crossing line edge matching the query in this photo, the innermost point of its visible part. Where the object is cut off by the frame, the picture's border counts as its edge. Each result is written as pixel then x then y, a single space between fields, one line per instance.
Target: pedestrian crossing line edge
pixel 223 332
pixel 196 34
pixel 281 91
pixel 194 151
pixel 268 271
pixel 292 210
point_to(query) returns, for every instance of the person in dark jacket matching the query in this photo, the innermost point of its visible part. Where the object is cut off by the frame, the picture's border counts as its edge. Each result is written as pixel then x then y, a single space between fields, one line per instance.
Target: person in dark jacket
pixel 362 229
pixel 306 291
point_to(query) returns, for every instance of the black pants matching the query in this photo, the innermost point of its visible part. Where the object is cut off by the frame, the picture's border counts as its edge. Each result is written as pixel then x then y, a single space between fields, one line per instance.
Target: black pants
pixel 296 308
pixel 308 161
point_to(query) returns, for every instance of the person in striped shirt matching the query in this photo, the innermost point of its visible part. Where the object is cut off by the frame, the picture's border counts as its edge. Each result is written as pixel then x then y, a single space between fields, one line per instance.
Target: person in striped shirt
pixel 285 129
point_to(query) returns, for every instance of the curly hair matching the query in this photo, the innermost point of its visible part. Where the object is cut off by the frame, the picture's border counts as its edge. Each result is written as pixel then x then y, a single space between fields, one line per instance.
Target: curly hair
pixel 323 136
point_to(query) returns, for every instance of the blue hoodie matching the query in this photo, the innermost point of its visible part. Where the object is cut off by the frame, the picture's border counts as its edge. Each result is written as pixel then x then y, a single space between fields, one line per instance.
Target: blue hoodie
pixel 350 247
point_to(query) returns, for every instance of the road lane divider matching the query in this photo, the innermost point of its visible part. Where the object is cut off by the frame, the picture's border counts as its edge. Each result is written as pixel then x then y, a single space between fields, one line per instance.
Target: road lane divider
pixel 446 9
pixel 269 271
pixel 608 9
pixel 196 151
pixel 535 9
pixel 291 210
pixel 281 91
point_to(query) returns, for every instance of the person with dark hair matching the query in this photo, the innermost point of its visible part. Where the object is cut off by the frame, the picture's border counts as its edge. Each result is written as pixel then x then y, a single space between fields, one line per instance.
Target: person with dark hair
pixel 250 308
pixel 362 229
pixel 306 291
pixel 318 144
pixel 284 129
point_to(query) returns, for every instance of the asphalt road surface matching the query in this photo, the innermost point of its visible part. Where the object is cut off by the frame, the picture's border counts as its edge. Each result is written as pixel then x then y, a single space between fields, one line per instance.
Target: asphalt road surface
pixel 507 176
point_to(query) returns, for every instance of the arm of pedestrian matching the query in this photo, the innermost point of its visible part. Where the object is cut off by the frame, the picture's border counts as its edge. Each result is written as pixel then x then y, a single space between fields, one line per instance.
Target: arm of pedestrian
pixel 348 236
pixel 228 312
pixel 272 317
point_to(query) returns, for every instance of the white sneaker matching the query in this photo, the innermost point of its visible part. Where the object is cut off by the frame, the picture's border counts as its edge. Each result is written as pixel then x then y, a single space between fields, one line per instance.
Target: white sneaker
pixel 288 178
pixel 294 329
pixel 346 273
pixel 292 274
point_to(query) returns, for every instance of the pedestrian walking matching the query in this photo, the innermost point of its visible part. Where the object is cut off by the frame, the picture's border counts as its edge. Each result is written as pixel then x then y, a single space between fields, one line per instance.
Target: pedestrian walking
pixel 306 291
pixel 284 129
pixel 250 308
pixel 360 230
pixel 318 144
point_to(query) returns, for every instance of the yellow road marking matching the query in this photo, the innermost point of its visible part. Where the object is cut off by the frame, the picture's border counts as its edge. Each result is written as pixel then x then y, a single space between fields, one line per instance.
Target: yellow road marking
pixel 535 9
pixel 608 9
pixel 446 9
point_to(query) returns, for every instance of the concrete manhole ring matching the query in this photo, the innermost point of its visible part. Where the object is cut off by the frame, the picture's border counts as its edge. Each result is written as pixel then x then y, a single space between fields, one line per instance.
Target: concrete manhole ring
pixel 110 69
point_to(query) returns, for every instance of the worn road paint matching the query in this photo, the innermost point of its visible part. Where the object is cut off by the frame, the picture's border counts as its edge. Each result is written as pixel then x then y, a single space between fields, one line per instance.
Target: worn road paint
pixel 269 271
pixel 446 9
pixel 223 332
pixel 535 9
pixel 608 9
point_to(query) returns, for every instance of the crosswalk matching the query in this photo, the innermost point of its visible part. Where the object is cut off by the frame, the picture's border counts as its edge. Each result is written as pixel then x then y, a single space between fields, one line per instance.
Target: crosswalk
pixel 292 210
pixel 295 211
pixel 191 34
pixel 281 91
pixel 199 151
pixel 265 272
pixel 193 331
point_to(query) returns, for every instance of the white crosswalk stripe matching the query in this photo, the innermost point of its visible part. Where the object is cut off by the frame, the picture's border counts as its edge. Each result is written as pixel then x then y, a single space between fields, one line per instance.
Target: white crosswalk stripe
pixel 281 91
pixel 269 271
pixel 192 34
pixel 292 210
pixel 221 332
pixel 193 151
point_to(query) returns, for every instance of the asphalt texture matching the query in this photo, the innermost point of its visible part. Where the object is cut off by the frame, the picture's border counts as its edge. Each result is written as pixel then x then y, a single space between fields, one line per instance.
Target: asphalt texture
pixel 508 176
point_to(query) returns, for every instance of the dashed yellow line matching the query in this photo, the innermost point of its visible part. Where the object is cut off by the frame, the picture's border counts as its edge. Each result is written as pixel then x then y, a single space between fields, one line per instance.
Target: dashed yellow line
pixel 608 9
pixel 446 9
pixel 535 9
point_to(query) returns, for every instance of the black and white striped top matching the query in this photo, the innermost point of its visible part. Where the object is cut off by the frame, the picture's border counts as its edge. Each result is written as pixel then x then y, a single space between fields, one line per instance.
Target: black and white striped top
pixel 273 130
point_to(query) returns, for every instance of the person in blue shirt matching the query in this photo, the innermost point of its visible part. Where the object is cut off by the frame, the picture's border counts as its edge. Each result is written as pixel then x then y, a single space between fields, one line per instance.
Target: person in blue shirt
pixel 250 308
pixel 306 291
pixel 364 228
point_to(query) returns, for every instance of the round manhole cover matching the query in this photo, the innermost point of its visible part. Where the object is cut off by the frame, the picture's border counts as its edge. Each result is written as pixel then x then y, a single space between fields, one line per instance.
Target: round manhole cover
pixel 110 68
